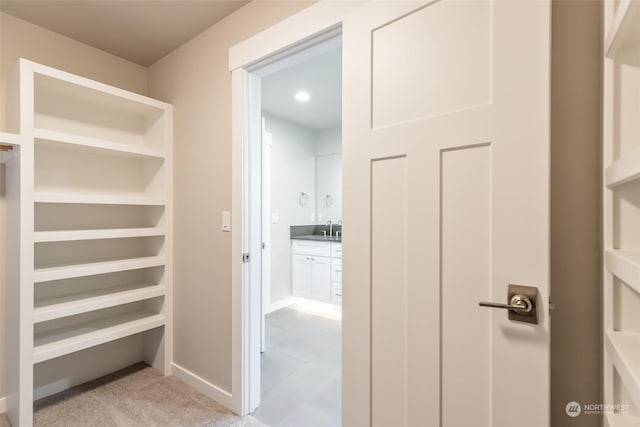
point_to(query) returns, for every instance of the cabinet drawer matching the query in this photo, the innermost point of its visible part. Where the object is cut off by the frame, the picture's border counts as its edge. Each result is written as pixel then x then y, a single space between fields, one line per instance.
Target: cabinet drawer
pixel 336 293
pixel 336 250
pixel 308 247
pixel 336 270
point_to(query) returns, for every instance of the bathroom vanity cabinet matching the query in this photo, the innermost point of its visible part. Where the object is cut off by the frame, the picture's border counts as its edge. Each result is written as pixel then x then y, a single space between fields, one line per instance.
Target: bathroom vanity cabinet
pixel 317 270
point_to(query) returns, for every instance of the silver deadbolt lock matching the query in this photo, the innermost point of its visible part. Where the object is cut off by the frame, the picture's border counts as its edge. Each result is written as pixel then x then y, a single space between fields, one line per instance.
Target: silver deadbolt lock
pixel 522 303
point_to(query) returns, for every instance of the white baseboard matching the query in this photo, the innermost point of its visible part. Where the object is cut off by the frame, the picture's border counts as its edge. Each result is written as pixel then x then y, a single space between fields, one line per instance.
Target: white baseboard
pixel 286 302
pixel 203 386
pixel 3 405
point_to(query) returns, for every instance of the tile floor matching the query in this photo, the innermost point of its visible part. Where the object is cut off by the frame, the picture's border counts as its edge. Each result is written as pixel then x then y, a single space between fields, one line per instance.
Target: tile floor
pixel 301 374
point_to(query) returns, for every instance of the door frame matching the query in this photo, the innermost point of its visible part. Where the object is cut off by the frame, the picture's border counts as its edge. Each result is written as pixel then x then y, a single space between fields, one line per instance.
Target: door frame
pixel 265 284
pixel 247 62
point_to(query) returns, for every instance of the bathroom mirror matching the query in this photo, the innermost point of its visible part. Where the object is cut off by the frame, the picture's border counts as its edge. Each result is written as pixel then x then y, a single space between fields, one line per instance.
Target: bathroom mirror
pixel 329 188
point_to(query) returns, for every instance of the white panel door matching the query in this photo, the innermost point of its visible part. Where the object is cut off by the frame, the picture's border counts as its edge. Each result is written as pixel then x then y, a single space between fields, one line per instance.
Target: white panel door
pixel 446 199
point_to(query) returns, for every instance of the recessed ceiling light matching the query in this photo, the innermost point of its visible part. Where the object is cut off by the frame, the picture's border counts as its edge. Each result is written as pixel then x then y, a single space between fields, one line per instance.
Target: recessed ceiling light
pixel 302 96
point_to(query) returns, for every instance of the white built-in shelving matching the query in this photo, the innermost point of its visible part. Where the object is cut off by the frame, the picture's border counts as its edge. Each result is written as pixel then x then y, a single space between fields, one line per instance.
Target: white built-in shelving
pixel 621 420
pixel 89 242
pixel 624 349
pixel 621 210
pixel 625 170
pixel 623 30
pixel 626 266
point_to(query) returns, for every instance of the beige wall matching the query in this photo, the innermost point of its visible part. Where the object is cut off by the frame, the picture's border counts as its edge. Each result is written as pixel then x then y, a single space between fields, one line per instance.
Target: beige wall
pixel 20 39
pixel 575 209
pixel 195 78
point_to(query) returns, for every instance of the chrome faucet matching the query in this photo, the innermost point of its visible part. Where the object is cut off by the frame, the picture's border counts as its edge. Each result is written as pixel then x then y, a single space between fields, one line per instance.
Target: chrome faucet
pixel 330 228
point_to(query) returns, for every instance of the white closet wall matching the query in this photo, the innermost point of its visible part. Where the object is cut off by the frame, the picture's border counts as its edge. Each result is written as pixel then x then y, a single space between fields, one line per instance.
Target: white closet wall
pixel 89 243
pixel 621 293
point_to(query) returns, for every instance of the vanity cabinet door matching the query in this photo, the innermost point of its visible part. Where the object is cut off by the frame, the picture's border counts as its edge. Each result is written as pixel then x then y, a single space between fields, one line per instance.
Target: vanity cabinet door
pixel 301 276
pixel 321 279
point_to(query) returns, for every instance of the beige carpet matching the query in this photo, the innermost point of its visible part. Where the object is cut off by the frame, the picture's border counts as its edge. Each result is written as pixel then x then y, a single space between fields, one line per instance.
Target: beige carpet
pixel 4 421
pixel 135 396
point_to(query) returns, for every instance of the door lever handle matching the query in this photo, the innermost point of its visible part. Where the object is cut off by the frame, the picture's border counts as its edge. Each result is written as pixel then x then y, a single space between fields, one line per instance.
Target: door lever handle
pixel 519 304
pixel 522 306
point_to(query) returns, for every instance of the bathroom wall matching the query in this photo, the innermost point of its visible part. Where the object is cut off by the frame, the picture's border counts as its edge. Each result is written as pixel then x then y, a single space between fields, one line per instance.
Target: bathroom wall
pixel 292 172
pixel 329 174
pixel 302 160
pixel 329 141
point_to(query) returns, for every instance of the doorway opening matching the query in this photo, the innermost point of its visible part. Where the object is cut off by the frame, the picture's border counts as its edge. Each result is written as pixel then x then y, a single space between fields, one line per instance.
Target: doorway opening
pixel 295 192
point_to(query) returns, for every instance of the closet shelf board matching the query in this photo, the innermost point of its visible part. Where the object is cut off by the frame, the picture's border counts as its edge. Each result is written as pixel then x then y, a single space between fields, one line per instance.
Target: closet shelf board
pixel 626 266
pixel 86 90
pixel 624 30
pixel 45 197
pixel 96 144
pixel 624 349
pixel 69 305
pixel 12 139
pixel 622 420
pixel 111 233
pixel 45 274
pixel 74 338
pixel 8 142
pixel 624 170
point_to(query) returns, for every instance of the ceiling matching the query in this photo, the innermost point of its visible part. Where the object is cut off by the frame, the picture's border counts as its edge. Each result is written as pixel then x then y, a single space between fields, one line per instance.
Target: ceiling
pixel 321 78
pixel 141 31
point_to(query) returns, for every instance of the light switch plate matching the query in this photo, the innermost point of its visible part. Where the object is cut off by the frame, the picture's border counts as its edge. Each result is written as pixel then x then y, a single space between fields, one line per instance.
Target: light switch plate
pixel 226 221
pixel 275 218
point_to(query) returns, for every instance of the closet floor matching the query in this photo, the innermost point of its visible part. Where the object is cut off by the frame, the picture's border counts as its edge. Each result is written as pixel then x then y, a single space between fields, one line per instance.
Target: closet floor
pixel 301 371
pixel 136 396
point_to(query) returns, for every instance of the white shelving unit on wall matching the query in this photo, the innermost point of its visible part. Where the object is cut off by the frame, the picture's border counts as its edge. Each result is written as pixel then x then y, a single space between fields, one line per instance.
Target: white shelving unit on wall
pixel 89 244
pixel 621 211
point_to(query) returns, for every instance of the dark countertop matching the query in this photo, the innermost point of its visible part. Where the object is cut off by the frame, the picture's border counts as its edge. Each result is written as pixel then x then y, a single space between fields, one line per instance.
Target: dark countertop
pixel 315 233
pixel 318 238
